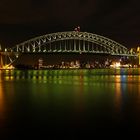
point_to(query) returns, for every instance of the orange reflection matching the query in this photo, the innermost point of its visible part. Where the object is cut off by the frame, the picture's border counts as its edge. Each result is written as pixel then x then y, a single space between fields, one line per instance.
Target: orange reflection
pixel 139 86
pixel 130 79
pixel 79 96
pixel 118 92
pixel 2 108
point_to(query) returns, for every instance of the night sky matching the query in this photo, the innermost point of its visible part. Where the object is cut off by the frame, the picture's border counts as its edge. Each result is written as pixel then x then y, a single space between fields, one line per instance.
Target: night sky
pixel 21 20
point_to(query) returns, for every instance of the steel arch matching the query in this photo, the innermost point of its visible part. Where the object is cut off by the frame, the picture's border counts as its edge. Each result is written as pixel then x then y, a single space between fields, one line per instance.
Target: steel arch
pixel 35 45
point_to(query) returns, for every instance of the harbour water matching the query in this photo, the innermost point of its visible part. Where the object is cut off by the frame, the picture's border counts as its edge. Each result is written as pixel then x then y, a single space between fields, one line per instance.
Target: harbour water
pixel 70 100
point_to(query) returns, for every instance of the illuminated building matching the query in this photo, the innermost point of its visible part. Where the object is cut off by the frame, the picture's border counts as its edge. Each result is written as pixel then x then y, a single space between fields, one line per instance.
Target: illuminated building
pixel 40 63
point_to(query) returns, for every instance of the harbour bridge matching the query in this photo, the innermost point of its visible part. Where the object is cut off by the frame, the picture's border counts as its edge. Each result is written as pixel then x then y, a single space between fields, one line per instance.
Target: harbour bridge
pixel 65 42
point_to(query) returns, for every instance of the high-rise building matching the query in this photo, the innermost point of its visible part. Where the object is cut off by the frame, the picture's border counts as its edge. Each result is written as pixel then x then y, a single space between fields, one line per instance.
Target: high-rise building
pixel 40 63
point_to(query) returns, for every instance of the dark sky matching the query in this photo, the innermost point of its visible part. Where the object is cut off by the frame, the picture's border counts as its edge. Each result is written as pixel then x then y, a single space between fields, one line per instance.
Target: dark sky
pixel 24 19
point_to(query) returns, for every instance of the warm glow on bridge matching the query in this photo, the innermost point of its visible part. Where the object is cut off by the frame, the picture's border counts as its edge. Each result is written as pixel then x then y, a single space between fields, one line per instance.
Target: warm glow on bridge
pixel 8 67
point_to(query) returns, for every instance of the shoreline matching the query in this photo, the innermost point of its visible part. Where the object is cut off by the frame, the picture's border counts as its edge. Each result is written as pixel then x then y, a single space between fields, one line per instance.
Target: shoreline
pixel 71 72
pixel 75 68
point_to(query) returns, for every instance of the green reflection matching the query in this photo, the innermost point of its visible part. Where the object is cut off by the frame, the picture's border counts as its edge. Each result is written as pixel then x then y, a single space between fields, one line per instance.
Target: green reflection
pixel 66 94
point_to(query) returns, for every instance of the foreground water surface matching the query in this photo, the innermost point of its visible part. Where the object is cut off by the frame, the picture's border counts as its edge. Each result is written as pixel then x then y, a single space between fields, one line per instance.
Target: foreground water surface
pixel 85 100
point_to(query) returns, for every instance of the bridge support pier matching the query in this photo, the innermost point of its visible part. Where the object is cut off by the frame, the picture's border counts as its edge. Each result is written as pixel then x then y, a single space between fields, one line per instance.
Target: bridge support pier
pixel 139 58
pixel 138 53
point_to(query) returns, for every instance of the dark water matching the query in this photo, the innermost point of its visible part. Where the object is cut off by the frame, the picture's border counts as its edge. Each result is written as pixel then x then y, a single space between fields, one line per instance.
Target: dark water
pixel 69 102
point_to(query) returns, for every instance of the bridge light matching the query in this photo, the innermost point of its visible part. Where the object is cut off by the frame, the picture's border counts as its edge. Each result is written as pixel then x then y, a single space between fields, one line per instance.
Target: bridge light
pixel 5 49
pixel 138 49
pixel 77 29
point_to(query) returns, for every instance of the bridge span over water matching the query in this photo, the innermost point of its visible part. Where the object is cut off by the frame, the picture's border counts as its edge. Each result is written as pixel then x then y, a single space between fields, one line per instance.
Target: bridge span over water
pixel 66 42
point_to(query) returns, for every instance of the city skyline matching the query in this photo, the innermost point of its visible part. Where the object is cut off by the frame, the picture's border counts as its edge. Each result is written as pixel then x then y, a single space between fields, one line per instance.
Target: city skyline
pixel 24 20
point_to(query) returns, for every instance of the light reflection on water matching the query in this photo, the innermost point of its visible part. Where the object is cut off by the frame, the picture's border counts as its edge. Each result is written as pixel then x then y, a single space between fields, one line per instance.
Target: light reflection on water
pixel 2 106
pixel 77 98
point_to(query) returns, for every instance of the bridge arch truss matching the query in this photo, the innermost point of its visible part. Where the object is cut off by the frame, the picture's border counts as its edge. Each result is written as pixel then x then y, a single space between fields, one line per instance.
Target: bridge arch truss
pixel 65 42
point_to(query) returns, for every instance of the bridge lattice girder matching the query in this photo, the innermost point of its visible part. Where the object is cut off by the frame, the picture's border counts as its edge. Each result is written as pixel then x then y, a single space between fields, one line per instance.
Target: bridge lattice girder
pixel 108 46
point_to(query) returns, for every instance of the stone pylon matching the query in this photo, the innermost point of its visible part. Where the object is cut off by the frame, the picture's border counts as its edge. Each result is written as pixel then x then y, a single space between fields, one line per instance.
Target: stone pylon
pixel 1 59
pixel 138 52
